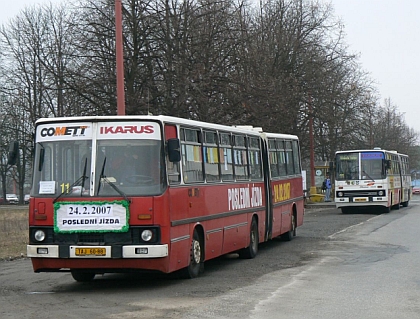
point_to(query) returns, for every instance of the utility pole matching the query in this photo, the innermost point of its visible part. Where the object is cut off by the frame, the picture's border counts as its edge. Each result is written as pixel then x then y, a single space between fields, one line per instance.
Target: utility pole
pixel 311 146
pixel 119 58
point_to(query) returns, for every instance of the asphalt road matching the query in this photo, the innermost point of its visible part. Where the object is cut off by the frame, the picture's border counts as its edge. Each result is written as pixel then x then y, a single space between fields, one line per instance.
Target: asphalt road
pixel 229 287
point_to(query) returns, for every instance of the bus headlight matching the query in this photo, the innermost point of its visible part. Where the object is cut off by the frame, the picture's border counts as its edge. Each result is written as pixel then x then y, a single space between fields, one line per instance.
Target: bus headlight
pixel 146 235
pixel 340 194
pixel 39 235
pixel 381 193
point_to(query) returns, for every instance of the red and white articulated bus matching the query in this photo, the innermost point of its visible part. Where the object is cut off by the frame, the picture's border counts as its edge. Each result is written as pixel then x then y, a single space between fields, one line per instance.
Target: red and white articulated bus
pixel 130 193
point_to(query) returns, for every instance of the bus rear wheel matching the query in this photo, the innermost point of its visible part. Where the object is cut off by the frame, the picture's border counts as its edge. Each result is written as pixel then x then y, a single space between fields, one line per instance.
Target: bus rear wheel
pixel 82 276
pixel 292 232
pixel 252 250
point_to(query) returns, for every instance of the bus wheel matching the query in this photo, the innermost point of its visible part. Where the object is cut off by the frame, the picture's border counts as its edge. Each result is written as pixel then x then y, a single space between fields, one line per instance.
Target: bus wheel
pixel 196 264
pixel 345 210
pixel 81 276
pixel 405 204
pixel 252 250
pixel 387 210
pixel 292 232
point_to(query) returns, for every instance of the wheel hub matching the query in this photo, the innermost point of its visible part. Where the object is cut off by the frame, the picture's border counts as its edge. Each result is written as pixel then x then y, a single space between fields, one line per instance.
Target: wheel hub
pixel 196 252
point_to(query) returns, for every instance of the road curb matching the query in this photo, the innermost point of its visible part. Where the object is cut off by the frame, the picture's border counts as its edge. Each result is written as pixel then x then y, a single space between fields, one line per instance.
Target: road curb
pixel 316 206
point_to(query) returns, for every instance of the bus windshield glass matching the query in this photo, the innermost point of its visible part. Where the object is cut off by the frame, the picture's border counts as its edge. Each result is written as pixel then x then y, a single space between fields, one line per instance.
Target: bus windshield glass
pixel 134 166
pixel 60 165
pixel 360 166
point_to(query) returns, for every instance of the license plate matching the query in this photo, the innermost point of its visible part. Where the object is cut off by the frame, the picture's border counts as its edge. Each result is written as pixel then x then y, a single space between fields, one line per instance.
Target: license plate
pixel 90 252
pixel 360 200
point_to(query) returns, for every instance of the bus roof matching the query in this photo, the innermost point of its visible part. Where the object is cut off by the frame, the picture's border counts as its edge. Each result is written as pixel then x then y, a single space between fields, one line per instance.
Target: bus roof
pixel 370 150
pixel 245 129
pixel 280 135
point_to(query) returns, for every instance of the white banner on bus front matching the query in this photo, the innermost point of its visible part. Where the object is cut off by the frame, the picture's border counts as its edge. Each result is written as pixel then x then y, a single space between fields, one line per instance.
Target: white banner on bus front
pixel 74 217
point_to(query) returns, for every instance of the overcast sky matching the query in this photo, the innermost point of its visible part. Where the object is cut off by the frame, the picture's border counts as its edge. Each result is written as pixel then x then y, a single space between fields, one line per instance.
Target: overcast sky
pixel 386 33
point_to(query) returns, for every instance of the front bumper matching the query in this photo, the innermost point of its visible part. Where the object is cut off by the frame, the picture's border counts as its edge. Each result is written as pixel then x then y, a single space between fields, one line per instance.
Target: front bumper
pixel 361 201
pixel 71 251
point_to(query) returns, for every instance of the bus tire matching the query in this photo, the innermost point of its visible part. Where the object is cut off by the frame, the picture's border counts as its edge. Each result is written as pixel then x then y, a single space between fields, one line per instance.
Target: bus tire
pixel 387 210
pixel 81 276
pixel 252 250
pixel 405 204
pixel 196 264
pixel 345 210
pixel 292 232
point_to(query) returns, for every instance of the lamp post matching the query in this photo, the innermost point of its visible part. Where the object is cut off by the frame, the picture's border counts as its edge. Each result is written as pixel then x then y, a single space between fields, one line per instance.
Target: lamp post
pixel 119 58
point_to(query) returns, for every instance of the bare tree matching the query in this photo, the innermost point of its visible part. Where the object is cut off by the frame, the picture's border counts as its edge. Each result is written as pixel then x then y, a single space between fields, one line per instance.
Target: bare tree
pixel 226 61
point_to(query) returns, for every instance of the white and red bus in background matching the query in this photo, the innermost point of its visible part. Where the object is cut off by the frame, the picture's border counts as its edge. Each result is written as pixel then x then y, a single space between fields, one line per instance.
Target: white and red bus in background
pixel 374 178
pixel 194 191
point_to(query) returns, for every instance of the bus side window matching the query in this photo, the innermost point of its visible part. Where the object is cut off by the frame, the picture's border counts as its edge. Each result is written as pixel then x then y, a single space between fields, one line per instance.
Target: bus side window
pixel 174 177
pixel 226 158
pixel 192 158
pixel 273 158
pixel 240 159
pixel 211 157
pixel 282 157
pixel 254 153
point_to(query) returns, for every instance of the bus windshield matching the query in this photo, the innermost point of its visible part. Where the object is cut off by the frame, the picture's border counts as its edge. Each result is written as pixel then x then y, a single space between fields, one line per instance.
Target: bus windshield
pixel 134 166
pixel 65 167
pixel 360 166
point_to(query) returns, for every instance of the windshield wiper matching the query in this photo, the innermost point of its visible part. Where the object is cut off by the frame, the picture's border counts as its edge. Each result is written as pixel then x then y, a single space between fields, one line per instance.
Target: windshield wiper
pixel 84 177
pixel 80 179
pixel 102 177
pixel 368 176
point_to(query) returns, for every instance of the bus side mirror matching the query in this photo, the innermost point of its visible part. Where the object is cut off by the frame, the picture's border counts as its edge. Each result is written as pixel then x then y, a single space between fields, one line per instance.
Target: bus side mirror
pixel 387 164
pixel 13 153
pixel 174 152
